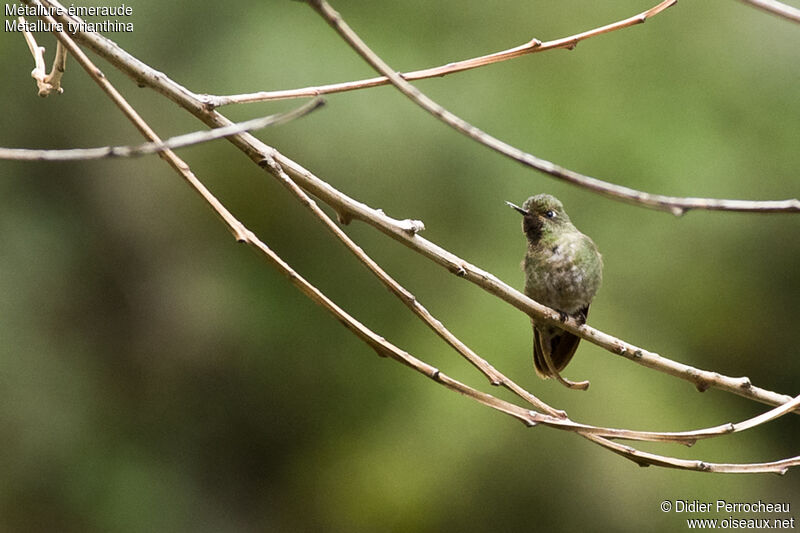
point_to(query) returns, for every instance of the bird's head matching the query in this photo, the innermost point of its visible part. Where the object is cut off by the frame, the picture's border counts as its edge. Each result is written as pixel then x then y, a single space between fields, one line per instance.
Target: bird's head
pixel 542 214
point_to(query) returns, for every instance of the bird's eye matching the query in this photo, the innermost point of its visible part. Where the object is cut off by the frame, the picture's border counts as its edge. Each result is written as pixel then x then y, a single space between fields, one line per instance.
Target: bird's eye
pixel 550 214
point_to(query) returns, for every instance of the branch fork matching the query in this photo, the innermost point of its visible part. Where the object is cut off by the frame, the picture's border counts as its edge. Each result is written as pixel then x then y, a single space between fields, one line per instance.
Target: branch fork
pixel 47 83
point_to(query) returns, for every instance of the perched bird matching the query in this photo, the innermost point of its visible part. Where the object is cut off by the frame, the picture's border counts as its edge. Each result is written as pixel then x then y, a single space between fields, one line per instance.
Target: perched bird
pixel 563 270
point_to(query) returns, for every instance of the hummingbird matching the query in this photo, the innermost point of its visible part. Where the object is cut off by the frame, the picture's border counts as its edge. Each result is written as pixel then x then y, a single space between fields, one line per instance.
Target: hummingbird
pixel 563 270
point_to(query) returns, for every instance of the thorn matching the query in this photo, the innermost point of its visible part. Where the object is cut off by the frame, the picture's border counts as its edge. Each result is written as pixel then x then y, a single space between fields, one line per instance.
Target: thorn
pixel 412 226
pixel 343 218
pixel 701 384
pixel 207 101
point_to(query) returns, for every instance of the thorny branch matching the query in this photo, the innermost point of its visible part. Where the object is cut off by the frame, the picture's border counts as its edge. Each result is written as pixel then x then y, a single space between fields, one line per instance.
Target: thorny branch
pixel 408 229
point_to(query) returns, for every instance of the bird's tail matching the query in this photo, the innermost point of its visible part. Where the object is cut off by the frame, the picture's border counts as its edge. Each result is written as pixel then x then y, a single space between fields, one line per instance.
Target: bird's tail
pixel 560 345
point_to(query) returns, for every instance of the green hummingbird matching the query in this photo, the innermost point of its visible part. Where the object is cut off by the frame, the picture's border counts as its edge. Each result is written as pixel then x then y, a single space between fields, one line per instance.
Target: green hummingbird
pixel 563 270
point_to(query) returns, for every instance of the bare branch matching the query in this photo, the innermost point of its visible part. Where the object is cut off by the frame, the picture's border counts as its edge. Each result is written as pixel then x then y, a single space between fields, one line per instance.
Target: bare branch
pixel 675 205
pixel 383 347
pixel 683 437
pixel 238 230
pixel 495 377
pixel 531 47
pixel 406 231
pixel 647 459
pixel 776 8
pixel 59 67
pixel 768 416
pixel 47 83
pixel 180 141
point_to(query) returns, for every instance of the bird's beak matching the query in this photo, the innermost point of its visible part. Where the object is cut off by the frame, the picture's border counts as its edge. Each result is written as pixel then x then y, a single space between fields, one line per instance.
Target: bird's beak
pixel 517 208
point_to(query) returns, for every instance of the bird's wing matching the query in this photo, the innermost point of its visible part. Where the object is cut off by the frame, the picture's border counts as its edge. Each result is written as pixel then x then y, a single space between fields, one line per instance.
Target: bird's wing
pixel 560 345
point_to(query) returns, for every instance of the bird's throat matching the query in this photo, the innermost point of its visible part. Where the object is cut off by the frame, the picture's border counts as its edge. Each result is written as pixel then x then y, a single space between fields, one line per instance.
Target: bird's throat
pixel 532 226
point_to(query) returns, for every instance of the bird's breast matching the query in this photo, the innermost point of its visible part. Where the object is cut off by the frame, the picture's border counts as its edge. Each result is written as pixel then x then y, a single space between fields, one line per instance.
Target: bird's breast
pixel 563 274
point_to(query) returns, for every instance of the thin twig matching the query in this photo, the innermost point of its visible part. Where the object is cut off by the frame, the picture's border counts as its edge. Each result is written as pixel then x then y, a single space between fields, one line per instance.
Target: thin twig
pixel 675 205
pixel 179 141
pixel 651 459
pixel 770 415
pixel 682 437
pixel 47 83
pixel 59 67
pixel 531 47
pixel 776 8
pixel 406 231
pixel 238 230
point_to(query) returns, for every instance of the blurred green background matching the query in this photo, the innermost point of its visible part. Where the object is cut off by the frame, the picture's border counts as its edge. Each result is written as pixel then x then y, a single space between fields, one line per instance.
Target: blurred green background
pixel 155 376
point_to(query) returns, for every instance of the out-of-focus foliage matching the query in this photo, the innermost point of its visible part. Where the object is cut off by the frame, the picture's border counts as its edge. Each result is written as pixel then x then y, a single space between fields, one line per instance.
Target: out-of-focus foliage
pixel 154 376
